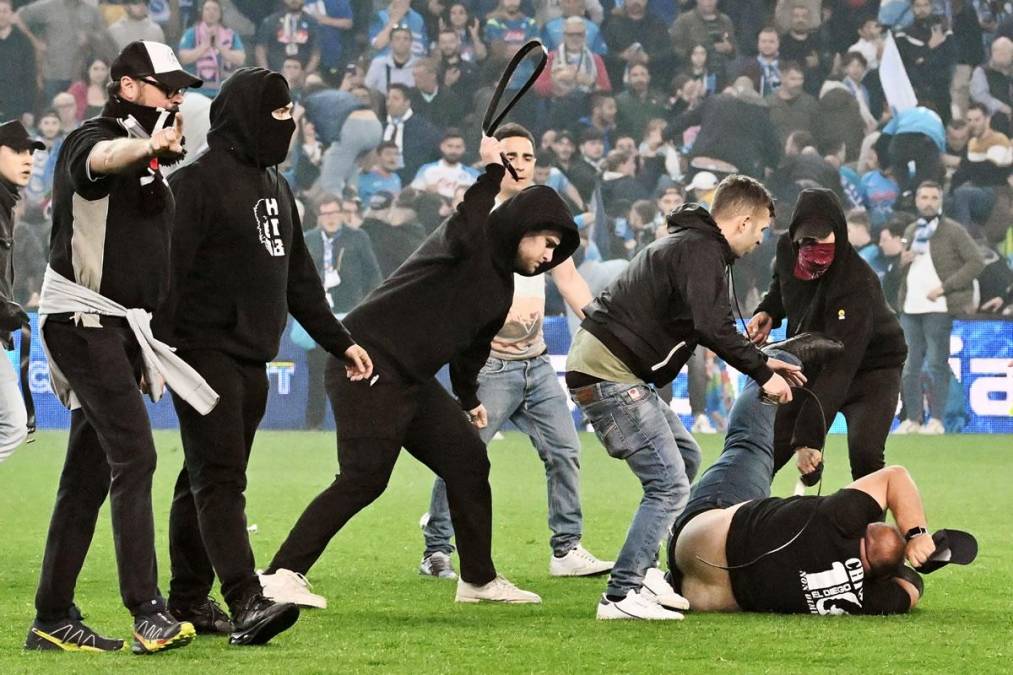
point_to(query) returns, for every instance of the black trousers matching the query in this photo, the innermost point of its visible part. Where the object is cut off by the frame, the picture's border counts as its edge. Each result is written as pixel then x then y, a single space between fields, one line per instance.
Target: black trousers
pixel 374 422
pixel 110 451
pixel 917 148
pixel 316 395
pixel 869 409
pixel 207 523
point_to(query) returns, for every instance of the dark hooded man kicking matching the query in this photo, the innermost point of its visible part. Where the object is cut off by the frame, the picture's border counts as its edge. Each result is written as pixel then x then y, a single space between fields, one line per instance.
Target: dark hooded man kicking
pixel 444 304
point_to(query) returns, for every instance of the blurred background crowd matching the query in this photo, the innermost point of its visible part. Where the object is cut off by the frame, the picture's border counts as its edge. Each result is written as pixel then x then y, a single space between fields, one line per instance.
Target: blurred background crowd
pixel 644 104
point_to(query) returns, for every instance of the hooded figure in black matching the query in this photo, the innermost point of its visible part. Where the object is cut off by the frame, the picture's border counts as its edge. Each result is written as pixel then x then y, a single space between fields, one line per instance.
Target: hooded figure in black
pixel 821 284
pixel 239 266
pixel 442 305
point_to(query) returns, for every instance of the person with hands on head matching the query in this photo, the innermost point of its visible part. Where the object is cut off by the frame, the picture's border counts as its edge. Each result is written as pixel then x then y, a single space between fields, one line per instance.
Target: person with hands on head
pixel 442 305
pixel 636 336
pixel 239 266
pixel 821 284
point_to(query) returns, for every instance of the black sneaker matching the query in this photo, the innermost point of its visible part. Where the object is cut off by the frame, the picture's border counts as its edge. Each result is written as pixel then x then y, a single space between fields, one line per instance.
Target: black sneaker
pixel 258 619
pixel 69 635
pixel 159 631
pixel 206 616
pixel 812 349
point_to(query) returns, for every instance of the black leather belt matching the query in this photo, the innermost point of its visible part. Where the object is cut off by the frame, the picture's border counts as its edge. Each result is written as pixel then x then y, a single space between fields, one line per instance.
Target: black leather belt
pixel 491 121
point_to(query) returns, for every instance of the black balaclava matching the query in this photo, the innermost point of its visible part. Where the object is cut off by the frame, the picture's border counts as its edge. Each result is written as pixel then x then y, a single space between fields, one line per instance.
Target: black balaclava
pixel 275 135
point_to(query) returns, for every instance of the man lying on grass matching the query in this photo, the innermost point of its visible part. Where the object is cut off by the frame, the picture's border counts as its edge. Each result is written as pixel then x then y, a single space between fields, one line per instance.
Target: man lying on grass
pixel 735 548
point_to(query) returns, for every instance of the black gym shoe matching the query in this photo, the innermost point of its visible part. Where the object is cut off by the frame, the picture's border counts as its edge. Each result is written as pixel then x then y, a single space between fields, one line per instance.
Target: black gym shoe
pixel 206 616
pixel 812 349
pixel 159 631
pixel 258 619
pixel 69 635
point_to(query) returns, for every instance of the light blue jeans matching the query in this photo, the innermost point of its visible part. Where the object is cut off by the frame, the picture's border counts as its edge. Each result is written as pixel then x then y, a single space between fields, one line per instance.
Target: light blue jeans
pixel 13 418
pixel 527 393
pixel 637 426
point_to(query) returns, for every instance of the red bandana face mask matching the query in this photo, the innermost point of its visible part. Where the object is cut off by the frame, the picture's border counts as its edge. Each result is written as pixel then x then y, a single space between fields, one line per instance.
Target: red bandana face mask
pixel 813 260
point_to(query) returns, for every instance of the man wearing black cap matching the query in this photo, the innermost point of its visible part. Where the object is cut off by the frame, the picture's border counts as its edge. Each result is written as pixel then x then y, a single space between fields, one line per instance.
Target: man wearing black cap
pixel 239 266
pixel 16 150
pixel 821 284
pixel 443 305
pixel 108 268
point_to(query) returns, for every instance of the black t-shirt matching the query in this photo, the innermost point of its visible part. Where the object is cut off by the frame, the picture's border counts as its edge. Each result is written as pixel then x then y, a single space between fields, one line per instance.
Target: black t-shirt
pixel 111 233
pixel 821 571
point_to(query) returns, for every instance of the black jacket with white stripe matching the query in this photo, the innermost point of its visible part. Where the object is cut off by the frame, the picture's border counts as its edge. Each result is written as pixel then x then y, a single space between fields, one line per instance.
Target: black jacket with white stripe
pixel 672 297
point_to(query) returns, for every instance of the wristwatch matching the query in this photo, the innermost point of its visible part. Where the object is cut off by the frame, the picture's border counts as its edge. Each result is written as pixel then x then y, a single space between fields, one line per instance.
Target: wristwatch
pixel 914 532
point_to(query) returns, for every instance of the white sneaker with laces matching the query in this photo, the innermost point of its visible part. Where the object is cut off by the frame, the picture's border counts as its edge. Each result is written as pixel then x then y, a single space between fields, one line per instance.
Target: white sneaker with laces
pixel 288 586
pixel 579 562
pixel 635 606
pixel 702 425
pixel 497 590
pixel 933 427
pixel 437 565
pixel 908 427
pixel 657 590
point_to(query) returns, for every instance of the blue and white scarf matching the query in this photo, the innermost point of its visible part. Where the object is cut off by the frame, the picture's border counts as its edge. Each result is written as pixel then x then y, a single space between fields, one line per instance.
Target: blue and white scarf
pixel 924 230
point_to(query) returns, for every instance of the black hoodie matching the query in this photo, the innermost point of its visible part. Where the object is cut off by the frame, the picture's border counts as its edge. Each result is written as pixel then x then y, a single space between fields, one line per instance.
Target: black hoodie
pixel 672 297
pixel 239 260
pixel 845 303
pixel 451 297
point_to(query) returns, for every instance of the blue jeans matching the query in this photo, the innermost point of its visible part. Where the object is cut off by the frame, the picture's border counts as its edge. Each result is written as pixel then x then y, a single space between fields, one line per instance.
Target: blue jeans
pixel 527 393
pixel 636 426
pixel 928 350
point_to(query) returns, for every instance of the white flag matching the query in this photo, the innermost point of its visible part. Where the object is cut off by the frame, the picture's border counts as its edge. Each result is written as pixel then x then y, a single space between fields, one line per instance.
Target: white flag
pixel 893 76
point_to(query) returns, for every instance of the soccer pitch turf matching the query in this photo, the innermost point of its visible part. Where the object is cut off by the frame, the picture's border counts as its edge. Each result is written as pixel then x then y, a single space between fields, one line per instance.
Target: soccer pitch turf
pixel 384 617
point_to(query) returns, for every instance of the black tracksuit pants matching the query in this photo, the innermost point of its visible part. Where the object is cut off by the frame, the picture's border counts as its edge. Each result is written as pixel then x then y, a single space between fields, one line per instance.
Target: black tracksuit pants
pixel 374 422
pixel 869 408
pixel 207 523
pixel 316 395
pixel 110 451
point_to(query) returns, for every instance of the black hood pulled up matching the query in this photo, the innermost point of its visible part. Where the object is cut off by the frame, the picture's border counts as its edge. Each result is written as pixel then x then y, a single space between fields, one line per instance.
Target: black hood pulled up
pixel 237 123
pixel 534 208
pixel 692 216
pixel 820 209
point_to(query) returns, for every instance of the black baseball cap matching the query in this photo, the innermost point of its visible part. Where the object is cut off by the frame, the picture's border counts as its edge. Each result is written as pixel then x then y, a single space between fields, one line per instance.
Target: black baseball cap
pixel 952 546
pixel 144 58
pixel 14 135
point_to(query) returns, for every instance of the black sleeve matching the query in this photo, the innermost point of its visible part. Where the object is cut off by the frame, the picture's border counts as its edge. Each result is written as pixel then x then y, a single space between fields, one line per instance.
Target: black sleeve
pixel 850 511
pixel 465 366
pixel 76 150
pixel 465 229
pixel 884 596
pixel 700 280
pixel 306 300
pixel 850 320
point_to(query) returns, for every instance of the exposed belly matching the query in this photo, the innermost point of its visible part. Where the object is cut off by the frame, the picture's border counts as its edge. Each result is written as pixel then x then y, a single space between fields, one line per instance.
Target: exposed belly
pixel 708 588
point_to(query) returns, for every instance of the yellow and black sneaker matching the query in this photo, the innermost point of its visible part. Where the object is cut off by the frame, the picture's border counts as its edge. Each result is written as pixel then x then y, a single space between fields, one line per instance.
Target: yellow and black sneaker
pixel 68 635
pixel 159 631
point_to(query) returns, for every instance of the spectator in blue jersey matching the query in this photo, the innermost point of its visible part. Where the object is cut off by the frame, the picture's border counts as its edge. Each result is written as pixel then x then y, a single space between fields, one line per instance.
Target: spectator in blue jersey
pixel 546 174
pixel 878 189
pixel 506 31
pixel 290 32
pixel 335 20
pixel 860 238
pixel 447 174
pixel 398 14
pixel 553 30
pixel 383 176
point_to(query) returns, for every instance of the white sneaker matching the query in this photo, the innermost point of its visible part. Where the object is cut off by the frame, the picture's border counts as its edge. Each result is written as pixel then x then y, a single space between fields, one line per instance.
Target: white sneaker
pixel 908 427
pixel 497 590
pixel 288 586
pixel 578 563
pixel 437 565
pixel 657 590
pixel 635 606
pixel 933 427
pixel 702 425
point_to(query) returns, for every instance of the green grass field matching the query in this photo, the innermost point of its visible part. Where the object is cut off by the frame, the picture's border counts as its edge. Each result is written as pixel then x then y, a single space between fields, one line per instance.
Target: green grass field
pixel 383 617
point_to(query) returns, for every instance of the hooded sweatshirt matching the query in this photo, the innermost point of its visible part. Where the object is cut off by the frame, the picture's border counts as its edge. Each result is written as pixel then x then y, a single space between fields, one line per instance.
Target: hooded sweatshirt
pixel 450 298
pixel 845 303
pixel 671 297
pixel 239 260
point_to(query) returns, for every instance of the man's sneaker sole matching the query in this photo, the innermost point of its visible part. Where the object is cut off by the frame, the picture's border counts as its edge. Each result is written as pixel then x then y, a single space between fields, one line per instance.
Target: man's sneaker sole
pixel 582 572
pixel 40 640
pixel 475 601
pixel 185 636
pixel 262 632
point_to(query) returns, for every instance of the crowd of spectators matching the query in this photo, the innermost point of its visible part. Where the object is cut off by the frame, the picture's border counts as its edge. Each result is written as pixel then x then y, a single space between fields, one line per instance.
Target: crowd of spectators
pixel 644 104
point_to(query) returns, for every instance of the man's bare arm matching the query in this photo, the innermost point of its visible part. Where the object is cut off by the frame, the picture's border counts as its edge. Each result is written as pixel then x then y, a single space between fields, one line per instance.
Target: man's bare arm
pixel 895 490
pixel 572 286
pixel 121 154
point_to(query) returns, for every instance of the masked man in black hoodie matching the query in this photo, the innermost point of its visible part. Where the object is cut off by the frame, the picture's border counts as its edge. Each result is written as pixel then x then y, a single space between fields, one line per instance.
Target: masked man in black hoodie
pixel 636 336
pixel 16 149
pixel 821 284
pixel 239 265
pixel 444 304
